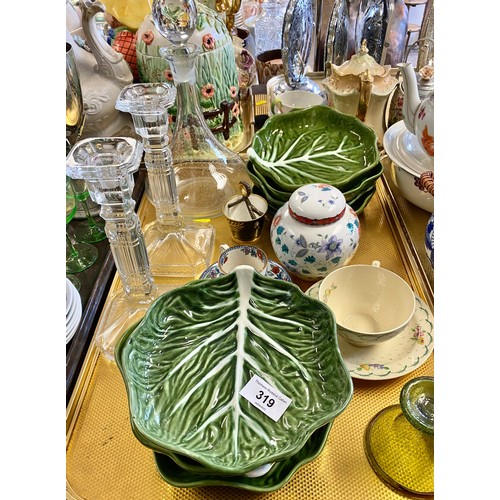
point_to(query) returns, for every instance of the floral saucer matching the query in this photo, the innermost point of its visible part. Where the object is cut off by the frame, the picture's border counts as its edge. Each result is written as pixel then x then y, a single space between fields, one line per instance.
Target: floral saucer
pixel 396 357
pixel 274 270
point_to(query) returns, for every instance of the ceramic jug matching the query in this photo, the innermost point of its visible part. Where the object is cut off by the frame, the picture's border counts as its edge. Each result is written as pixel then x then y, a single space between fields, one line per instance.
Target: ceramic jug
pixel 418 114
pixel 361 87
pixel 103 72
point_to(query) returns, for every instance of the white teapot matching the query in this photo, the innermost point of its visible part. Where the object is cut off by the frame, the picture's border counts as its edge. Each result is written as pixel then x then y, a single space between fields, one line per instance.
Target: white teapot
pixel 418 115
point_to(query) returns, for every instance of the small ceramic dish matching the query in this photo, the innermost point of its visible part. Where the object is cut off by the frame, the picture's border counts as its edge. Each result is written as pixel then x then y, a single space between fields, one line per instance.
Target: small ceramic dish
pixel 191 362
pixel 395 358
pixel 274 270
pixel 371 304
pixel 279 474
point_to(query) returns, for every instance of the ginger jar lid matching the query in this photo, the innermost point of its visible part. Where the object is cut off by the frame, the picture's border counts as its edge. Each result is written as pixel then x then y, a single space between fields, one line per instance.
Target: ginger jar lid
pixel 317 204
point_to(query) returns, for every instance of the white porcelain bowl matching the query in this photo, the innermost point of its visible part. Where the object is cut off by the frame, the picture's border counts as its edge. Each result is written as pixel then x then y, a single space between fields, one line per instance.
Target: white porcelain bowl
pixel 406 181
pixel 409 161
pixel 371 304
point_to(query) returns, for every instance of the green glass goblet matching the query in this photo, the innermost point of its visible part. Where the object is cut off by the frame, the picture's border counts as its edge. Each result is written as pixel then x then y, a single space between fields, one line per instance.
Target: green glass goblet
pixel 79 256
pixel 90 230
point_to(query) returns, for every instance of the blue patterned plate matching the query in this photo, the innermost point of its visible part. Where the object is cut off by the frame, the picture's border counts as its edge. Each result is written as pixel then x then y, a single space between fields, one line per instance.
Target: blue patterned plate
pixel 274 271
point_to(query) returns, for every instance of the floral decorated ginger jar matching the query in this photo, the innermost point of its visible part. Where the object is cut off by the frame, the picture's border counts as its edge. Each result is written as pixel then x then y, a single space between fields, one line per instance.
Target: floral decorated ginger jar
pixel 315 232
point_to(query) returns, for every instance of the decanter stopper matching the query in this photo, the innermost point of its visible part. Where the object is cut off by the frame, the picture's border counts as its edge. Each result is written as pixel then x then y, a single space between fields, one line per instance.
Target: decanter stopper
pixel 175 19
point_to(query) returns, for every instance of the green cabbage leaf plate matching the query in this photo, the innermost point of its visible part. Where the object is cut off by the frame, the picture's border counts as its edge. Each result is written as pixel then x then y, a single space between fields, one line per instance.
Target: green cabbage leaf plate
pixel 198 345
pixel 317 144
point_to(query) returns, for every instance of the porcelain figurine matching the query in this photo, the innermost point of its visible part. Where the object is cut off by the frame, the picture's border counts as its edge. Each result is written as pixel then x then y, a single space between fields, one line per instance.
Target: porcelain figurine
pixel 315 232
pixel 418 114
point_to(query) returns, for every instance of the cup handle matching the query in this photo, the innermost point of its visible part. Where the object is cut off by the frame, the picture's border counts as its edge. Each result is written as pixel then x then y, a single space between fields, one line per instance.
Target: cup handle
pixel 223 248
pixel 376 263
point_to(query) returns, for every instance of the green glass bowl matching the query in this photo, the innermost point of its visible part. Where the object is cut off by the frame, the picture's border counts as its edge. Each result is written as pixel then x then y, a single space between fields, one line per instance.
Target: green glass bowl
pixel 317 144
pixel 198 345
pixel 280 473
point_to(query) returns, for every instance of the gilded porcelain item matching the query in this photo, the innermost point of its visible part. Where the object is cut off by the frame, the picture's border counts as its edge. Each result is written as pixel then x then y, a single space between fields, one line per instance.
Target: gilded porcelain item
pixel 199 348
pixel 361 87
pixel 315 232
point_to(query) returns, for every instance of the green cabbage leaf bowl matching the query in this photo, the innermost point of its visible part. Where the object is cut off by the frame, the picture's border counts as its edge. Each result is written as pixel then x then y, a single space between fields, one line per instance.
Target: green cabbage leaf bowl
pixel 317 144
pixel 198 345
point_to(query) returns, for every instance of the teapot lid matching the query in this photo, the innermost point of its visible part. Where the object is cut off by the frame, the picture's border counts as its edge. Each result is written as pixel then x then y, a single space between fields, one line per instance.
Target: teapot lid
pixel 317 204
pixel 359 63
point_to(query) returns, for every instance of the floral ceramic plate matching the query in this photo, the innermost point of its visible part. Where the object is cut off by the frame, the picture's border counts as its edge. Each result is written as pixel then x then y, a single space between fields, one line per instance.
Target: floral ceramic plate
pixel 280 473
pixel 396 357
pixel 274 270
pixel 234 372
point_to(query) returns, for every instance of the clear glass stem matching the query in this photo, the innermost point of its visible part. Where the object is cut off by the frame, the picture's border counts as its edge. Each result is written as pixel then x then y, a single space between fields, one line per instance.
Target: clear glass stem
pixel 127 245
pixel 90 220
pixel 72 250
pixel 161 177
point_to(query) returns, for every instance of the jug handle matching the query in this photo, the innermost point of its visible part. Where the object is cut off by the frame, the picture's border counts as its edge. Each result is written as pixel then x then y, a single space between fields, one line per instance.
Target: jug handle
pixel 110 63
pixel 365 93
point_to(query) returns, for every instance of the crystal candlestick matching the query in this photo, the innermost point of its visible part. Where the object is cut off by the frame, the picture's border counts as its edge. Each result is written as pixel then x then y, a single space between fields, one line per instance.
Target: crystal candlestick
pixel 174 247
pixel 107 165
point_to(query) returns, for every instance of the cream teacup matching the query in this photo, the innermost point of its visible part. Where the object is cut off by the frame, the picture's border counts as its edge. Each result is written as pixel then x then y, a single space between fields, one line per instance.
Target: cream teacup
pixel 371 304
pixel 242 255
pixel 297 99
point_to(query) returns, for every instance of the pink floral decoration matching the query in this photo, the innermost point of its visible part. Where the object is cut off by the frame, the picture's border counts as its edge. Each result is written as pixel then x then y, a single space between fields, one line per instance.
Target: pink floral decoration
pixel 208 91
pixel 208 41
pixel 233 91
pixel 236 109
pixel 169 76
pixel 148 37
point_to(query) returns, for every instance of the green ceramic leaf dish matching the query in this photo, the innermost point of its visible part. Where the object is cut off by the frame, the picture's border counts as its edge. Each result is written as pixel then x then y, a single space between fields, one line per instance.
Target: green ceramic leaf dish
pixel 277 477
pixel 307 453
pixel 186 362
pixel 318 144
pixel 277 195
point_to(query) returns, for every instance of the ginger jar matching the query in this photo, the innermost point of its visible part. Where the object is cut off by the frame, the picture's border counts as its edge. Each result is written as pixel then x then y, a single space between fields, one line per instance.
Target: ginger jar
pixel 315 232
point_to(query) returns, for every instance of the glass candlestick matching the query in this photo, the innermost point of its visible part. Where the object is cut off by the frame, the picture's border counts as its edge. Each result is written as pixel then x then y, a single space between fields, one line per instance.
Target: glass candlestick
pixel 399 440
pixel 175 248
pixel 107 165
pixel 207 172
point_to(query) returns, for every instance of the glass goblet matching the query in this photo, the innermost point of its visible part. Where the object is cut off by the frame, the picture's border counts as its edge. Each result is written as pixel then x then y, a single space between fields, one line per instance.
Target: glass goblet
pixel 79 256
pixel 399 440
pixel 89 230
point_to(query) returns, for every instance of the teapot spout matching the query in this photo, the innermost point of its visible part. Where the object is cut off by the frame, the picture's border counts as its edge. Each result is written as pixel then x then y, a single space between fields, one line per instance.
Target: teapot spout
pixel 411 99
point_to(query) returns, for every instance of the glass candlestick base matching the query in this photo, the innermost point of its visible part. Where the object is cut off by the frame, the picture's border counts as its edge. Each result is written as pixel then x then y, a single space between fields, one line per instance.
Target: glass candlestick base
pixel 399 440
pixel 175 247
pixel 120 315
pixel 184 250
